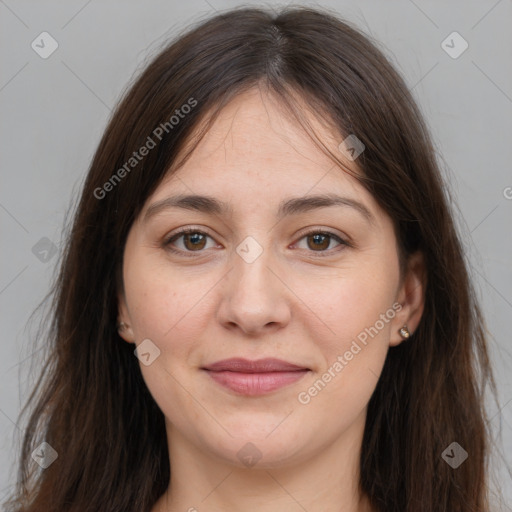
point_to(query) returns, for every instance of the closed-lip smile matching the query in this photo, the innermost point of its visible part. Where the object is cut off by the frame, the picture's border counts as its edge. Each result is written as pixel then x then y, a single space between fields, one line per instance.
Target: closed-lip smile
pixel 254 377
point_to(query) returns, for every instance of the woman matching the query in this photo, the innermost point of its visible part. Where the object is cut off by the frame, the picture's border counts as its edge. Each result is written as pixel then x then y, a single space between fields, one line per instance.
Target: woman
pixel 264 226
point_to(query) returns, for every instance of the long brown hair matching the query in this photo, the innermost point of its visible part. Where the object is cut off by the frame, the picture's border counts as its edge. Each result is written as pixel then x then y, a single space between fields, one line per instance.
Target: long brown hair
pixel 91 403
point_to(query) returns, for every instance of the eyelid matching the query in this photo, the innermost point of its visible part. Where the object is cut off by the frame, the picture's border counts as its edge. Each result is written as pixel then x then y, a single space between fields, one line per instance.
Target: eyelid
pixel 310 230
pixel 184 231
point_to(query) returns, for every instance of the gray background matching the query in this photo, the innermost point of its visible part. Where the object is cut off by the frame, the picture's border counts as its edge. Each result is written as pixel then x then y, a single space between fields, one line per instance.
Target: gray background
pixel 54 110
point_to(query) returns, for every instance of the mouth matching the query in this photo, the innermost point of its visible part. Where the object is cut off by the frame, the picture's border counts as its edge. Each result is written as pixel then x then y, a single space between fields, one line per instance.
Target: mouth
pixel 251 378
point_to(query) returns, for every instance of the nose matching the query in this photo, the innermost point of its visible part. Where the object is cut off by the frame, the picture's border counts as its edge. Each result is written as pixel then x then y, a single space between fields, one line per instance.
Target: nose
pixel 255 298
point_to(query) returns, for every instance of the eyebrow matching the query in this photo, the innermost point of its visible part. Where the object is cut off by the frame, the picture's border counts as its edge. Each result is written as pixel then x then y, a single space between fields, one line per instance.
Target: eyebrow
pixel 292 206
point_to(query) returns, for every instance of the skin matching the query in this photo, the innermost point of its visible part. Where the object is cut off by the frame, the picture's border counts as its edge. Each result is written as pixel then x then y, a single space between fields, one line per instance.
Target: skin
pixel 289 303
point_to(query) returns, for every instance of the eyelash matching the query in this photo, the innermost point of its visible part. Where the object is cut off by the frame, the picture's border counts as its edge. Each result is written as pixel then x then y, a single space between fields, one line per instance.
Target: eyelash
pixel 186 231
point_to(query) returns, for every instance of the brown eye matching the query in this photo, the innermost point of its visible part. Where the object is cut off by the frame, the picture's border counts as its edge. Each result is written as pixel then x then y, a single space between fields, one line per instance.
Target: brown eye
pixel 194 241
pixel 318 241
pixel 187 241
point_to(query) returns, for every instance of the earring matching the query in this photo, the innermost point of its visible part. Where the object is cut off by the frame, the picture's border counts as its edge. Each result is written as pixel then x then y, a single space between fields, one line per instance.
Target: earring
pixel 404 332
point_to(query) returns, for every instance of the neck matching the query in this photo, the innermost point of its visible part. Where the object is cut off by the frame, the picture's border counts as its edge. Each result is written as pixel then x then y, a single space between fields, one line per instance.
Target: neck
pixel 327 482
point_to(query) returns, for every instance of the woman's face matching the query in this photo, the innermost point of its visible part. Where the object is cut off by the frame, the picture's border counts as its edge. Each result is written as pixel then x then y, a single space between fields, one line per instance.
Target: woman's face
pixel 266 272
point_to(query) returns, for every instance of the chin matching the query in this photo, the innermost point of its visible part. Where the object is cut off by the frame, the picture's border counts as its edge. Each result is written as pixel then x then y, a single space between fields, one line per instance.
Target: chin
pixel 261 451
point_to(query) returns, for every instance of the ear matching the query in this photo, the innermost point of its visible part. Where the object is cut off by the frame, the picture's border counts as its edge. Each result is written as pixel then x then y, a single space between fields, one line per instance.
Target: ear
pixel 411 295
pixel 123 320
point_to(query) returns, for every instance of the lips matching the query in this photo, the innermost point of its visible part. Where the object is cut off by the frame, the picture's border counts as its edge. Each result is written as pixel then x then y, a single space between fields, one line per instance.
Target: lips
pixel 239 364
pixel 261 376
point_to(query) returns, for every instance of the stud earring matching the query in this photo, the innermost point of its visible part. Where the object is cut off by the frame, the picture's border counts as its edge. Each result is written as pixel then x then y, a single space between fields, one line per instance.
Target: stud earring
pixel 404 332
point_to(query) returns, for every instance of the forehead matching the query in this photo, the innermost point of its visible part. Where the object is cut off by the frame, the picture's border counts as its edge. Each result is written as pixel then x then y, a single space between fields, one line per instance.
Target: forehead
pixel 257 151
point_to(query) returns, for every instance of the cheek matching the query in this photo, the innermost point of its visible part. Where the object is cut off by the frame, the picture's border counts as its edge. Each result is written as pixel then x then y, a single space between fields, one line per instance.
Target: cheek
pixel 358 309
pixel 355 303
pixel 171 310
pixel 162 301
